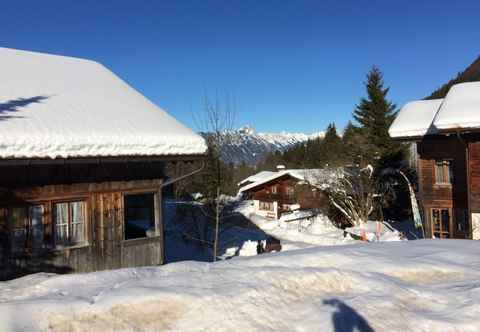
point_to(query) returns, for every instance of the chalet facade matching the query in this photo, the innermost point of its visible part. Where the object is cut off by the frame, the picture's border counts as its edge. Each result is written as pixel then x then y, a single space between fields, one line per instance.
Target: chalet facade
pixel 277 193
pixel 446 134
pixel 82 165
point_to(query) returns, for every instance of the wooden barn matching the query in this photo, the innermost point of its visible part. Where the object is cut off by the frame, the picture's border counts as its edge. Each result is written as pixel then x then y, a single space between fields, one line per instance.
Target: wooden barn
pixel 277 193
pixel 83 159
pixel 446 134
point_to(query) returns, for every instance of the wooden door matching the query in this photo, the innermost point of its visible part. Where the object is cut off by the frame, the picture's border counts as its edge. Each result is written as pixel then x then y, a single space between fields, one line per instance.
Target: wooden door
pixel 441 219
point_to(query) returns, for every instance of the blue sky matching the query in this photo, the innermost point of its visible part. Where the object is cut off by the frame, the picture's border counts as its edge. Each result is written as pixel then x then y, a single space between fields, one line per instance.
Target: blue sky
pixel 291 65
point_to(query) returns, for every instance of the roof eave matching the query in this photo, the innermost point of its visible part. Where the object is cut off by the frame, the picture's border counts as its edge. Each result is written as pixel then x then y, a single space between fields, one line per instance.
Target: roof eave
pixel 101 159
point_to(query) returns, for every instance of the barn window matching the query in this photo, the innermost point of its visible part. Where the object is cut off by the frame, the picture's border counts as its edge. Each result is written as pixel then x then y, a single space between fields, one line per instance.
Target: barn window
pixel 69 220
pixel 26 227
pixel 443 172
pixel 274 189
pixel 139 215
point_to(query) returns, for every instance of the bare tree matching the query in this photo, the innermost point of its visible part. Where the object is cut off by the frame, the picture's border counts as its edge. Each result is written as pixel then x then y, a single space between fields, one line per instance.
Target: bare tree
pixel 216 122
pixel 354 193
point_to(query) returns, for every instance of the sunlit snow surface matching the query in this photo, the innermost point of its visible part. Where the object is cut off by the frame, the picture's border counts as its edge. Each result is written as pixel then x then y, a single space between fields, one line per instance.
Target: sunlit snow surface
pixel 54 106
pixel 424 285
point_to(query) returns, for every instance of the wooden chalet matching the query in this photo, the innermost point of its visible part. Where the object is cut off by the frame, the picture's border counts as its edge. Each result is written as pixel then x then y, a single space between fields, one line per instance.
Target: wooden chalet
pixel 446 136
pixel 82 165
pixel 277 193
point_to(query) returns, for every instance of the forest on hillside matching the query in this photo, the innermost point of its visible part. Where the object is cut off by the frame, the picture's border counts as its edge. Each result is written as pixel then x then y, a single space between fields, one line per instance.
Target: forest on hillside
pixel 363 141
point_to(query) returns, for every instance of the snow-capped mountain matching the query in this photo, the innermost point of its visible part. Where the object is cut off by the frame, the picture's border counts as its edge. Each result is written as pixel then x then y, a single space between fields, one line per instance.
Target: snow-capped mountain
pixel 246 145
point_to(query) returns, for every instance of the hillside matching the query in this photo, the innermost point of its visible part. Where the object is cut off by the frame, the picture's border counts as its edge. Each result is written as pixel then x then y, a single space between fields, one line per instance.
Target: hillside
pixel 245 145
pixel 471 74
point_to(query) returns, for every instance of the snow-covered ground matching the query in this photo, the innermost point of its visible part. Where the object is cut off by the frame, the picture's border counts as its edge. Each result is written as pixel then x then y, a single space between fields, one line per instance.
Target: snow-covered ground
pixel 425 285
pixel 301 229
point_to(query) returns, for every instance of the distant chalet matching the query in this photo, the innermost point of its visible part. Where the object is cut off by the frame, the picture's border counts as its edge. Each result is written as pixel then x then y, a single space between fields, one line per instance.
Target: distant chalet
pixel 447 136
pixel 278 193
pixel 82 160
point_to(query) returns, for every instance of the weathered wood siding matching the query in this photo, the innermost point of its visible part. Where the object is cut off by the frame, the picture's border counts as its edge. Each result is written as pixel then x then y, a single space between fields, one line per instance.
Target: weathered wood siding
pixel 474 175
pixel 453 196
pixel 106 247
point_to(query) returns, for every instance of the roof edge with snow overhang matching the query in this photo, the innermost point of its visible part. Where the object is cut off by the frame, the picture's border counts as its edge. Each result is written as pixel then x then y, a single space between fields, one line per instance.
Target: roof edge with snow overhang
pixel 458 111
pixel 56 107
pixel 314 177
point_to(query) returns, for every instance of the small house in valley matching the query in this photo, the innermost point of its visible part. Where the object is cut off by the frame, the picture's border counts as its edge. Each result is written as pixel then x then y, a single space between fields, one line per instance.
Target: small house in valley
pixel 446 133
pixel 82 166
pixel 281 192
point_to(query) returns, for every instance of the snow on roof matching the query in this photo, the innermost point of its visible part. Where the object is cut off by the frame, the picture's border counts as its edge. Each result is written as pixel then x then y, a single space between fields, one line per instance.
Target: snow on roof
pixel 314 177
pixel 54 106
pixel 415 119
pixel 461 108
pixel 257 177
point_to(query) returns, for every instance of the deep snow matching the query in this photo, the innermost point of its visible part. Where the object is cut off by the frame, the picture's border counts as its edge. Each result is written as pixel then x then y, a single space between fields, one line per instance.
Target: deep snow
pixel 424 285
pixel 78 108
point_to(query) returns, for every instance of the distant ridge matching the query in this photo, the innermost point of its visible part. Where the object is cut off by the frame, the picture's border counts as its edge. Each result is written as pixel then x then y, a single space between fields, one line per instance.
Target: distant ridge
pixel 471 74
pixel 247 146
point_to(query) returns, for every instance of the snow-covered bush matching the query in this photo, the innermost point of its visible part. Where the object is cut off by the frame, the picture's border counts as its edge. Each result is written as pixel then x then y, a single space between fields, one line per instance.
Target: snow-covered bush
pixel 354 193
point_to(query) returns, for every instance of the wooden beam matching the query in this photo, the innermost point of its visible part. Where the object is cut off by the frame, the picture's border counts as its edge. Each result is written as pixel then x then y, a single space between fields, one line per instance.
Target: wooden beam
pixel 98 160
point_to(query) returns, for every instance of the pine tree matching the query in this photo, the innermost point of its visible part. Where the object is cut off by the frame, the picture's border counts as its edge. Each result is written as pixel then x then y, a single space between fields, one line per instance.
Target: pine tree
pixel 331 148
pixel 375 114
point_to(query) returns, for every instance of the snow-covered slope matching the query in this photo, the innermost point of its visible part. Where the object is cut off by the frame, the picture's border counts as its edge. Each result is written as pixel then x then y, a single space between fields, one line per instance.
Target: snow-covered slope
pixel 424 285
pixel 246 145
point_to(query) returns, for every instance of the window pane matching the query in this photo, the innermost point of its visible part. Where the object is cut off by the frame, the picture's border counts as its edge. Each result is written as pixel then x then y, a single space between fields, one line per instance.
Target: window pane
pixel 450 171
pixel 139 215
pixel 439 174
pixel 36 220
pixel 436 219
pixel 445 220
pixel 18 221
pixel 78 222
pixel 61 223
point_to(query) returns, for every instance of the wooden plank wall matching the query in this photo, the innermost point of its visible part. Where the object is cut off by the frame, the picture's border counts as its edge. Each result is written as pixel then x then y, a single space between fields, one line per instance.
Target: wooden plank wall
pixel 434 195
pixel 474 170
pixel 106 247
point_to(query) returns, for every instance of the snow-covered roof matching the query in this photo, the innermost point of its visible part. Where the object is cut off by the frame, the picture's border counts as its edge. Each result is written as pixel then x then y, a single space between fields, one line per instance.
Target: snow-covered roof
pixel 314 177
pixel 415 119
pixel 257 177
pixel 460 109
pixel 54 106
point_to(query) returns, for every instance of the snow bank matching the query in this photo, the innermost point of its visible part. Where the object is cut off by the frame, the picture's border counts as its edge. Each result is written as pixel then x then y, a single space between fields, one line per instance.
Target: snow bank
pixel 376 231
pixel 299 229
pixel 54 106
pixel 425 285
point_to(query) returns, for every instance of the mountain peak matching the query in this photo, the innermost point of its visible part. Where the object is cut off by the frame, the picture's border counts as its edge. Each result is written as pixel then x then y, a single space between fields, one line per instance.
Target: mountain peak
pixel 247 129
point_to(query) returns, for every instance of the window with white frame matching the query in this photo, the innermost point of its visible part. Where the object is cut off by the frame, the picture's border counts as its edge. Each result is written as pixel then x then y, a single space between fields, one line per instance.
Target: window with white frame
pixel 69 221
pixel 443 172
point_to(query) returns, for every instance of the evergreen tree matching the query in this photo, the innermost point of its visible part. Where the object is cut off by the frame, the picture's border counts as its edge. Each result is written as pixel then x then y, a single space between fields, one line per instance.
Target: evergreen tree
pixel 375 114
pixel 331 148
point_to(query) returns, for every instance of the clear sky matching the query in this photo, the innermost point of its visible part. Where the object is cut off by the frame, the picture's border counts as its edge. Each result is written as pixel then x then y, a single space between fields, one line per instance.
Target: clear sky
pixel 291 65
